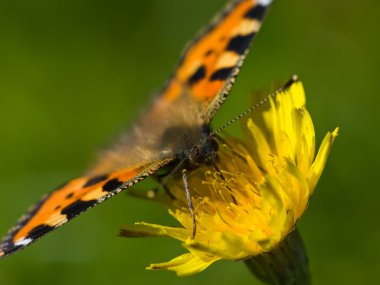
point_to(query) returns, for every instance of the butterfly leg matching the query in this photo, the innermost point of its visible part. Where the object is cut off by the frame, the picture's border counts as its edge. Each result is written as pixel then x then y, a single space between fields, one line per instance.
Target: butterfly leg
pixel 161 179
pixel 189 202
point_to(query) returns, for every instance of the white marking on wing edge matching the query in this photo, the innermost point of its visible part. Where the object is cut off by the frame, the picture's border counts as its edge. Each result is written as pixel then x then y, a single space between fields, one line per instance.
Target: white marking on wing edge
pixel 264 2
pixel 228 59
pixel 23 242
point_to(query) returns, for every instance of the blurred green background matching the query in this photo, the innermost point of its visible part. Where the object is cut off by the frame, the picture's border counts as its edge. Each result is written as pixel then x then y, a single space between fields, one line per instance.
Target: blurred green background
pixel 75 73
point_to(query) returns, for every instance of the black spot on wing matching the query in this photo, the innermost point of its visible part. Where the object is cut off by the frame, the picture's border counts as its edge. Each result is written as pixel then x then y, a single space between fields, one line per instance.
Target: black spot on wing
pixel 257 13
pixel 70 195
pixel 8 248
pixel 77 208
pixel 112 185
pixel 222 74
pixel 209 52
pixel 240 44
pixel 39 231
pixel 198 75
pixel 95 180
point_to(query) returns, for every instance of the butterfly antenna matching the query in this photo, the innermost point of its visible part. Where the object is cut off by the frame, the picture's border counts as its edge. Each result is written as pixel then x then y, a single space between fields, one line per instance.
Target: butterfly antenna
pixel 257 105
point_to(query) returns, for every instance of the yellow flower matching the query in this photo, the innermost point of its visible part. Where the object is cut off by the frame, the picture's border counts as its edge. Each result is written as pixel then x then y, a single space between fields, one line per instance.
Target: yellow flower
pixel 252 199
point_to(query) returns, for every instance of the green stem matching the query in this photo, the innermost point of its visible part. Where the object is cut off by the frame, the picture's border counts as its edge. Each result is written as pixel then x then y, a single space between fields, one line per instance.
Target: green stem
pixel 287 264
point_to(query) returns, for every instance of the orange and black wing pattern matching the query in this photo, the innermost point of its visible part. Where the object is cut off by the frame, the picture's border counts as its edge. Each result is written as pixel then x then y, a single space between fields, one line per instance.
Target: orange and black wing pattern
pixel 209 65
pixel 71 200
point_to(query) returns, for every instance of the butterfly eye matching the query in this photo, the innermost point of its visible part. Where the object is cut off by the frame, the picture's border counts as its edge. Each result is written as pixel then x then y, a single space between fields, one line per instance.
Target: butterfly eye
pixel 195 156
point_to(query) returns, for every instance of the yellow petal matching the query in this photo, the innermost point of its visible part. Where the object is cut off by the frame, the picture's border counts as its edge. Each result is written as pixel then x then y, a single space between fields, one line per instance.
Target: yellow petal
pixel 186 264
pixel 152 230
pixel 320 161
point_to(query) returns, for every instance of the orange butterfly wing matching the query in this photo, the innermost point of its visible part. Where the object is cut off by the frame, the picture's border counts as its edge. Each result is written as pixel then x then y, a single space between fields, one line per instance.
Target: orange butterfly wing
pixel 71 200
pixel 210 64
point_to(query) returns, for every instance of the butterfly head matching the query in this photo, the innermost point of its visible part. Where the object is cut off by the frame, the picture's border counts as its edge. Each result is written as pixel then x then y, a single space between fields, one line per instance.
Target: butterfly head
pixel 205 151
pixel 192 145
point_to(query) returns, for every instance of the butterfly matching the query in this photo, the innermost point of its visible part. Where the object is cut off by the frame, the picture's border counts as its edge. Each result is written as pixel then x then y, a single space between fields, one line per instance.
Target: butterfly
pixel 174 134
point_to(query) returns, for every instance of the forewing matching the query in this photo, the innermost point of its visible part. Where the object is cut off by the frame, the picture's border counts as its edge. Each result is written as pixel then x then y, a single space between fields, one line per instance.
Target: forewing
pixel 211 62
pixel 71 200
pixel 195 91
